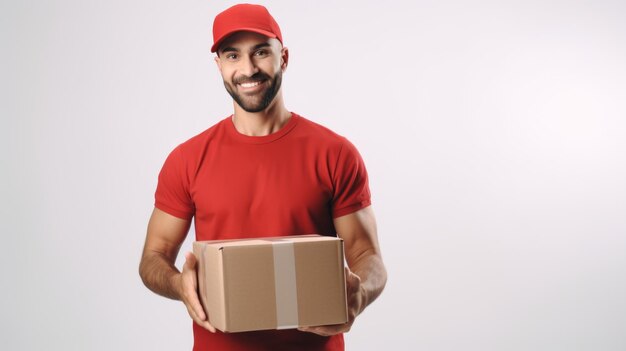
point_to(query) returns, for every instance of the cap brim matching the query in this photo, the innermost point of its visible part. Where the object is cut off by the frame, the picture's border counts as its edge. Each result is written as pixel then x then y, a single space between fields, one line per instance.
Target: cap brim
pixel 217 44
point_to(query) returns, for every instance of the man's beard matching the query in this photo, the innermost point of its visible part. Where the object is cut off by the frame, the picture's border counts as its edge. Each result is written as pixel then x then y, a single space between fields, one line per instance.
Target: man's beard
pixel 255 103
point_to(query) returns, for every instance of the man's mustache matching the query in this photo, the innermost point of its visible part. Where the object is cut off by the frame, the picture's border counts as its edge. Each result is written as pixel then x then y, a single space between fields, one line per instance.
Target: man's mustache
pixel 257 77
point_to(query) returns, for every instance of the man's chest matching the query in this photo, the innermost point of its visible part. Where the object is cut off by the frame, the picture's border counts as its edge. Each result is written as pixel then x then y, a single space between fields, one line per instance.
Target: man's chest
pixel 261 182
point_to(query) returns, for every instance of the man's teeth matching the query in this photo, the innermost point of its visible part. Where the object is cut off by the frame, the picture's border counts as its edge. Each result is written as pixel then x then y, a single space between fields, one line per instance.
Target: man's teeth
pixel 249 85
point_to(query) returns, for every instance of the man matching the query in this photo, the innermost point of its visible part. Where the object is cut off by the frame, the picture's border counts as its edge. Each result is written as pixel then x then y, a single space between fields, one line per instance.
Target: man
pixel 264 171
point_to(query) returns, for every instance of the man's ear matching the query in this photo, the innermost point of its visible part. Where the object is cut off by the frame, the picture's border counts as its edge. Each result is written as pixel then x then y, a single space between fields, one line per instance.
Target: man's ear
pixel 218 62
pixel 284 58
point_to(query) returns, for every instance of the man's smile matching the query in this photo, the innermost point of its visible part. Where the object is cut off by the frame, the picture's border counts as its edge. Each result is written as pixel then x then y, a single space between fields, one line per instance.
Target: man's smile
pixel 250 86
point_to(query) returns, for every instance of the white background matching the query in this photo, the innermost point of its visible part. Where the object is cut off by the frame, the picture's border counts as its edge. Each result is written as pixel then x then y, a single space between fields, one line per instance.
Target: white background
pixel 494 133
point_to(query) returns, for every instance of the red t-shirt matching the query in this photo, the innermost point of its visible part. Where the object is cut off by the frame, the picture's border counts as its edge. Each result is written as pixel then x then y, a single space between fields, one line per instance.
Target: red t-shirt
pixel 291 182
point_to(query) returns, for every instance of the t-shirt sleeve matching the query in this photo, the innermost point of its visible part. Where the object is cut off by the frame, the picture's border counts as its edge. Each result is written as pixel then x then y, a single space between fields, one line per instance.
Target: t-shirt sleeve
pixel 172 194
pixel 351 188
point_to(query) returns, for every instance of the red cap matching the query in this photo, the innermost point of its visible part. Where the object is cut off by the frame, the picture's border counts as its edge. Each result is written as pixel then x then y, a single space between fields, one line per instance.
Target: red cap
pixel 244 17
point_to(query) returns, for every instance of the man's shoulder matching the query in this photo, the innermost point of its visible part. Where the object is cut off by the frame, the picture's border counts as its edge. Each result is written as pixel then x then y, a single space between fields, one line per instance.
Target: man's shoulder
pixel 200 140
pixel 319 132
pixel 327 140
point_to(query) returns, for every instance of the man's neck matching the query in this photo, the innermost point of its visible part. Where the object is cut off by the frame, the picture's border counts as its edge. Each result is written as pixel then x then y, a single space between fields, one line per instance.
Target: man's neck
pixel 262 123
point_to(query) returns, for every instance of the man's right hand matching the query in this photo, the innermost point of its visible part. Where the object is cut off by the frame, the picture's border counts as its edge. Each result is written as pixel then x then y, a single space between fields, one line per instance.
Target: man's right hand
pixel 166 234
pixel 188 292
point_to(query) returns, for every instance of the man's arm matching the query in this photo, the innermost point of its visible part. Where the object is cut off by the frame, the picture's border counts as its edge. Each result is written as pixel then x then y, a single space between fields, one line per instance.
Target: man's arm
pixel 367 276
pixel 166 234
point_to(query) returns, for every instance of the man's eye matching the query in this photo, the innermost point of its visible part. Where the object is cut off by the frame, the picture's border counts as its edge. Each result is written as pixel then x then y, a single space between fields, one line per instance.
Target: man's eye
pixel 231 56
pixel 261 53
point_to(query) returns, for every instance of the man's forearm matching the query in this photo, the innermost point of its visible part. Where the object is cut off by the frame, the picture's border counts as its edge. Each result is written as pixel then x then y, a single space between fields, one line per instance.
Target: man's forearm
pixel 159 275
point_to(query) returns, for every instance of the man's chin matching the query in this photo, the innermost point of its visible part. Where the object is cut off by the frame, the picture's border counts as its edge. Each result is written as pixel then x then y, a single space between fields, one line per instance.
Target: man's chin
pixel 250 107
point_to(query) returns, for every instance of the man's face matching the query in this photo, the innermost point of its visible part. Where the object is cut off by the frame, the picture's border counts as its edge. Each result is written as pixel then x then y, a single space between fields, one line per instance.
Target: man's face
pixel 251 66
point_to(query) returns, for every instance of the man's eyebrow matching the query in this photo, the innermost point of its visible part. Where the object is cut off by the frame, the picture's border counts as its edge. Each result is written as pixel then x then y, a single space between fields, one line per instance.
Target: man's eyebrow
pixel 229 49
pixel 258 46
pixel 254 48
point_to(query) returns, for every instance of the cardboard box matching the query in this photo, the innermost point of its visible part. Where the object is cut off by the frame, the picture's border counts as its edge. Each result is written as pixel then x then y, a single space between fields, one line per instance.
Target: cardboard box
pixel 272 283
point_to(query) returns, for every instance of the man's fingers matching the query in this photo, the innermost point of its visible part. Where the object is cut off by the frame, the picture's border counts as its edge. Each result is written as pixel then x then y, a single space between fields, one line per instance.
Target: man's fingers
pixel 349 275
pixel 327 330
pixel 191 297
pixel 197 308
pixel 352 280
pixel 190 285
pixel 196 312
pixel 201 322
pixel 190 260
pixel 206 325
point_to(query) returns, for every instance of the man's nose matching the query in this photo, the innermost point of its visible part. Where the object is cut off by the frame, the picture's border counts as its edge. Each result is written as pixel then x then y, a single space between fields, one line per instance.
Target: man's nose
pixel 248 66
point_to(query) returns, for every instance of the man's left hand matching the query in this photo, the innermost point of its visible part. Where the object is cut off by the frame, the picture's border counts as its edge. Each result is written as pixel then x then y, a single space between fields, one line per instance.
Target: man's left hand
pixel 355 297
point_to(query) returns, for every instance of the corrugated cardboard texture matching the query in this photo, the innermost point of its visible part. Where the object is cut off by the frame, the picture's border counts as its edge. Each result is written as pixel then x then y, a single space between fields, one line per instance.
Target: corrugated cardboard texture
pixel 249 287
pixel 237 282
pixel 212 284
pixel 321 283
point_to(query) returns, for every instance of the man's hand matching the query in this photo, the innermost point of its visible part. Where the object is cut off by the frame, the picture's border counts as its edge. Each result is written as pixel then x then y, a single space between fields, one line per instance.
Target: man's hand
pixel 358 231
pixel 355 297
pixel 188 292
pixel 166 234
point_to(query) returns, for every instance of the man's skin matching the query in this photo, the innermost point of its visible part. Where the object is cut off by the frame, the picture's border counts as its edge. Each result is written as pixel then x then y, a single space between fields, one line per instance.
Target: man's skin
pixel 249 64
